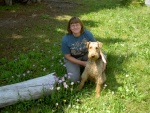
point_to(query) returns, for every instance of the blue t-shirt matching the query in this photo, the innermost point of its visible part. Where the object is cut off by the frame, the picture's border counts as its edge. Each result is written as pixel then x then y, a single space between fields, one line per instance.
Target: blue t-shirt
pixel 76 46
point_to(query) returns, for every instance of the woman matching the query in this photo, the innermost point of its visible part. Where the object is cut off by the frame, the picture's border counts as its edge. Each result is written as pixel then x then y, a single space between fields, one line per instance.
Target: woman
pixel 74 47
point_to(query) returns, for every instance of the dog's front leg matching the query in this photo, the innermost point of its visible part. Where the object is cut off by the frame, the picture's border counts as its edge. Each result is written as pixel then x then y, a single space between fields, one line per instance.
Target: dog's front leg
pixel 98 89
pixel 98 86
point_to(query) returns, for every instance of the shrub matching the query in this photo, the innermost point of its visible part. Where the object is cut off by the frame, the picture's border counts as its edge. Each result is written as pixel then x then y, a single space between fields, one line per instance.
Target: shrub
pixel 128 2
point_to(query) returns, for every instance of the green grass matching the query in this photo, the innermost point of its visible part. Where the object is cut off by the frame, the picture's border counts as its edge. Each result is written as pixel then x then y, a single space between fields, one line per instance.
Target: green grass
pixel 34 50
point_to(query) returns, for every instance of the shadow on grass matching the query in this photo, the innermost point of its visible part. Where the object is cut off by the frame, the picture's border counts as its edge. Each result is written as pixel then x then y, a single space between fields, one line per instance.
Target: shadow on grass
pixel 114 63
pixel 23 33
pixel 114 67
pixel 110 40
pixel 18 33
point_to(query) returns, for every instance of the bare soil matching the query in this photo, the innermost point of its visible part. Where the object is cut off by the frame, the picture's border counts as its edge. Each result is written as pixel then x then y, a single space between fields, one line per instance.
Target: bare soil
pixel 13 19
pixel 30 13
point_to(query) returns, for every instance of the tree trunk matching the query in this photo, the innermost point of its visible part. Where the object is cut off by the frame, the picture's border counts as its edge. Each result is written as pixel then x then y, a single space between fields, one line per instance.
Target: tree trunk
pixel 31 89
pixel 8 2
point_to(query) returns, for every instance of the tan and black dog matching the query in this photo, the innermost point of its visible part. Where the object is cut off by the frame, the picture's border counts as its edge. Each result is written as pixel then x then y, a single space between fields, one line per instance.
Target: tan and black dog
pixel 94 67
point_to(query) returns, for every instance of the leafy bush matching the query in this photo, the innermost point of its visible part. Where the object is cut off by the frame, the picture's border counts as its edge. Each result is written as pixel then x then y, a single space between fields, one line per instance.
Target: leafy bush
pixel 128 2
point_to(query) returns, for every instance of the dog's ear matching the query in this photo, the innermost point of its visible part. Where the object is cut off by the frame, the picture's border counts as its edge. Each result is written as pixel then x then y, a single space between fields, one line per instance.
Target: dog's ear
pixel 87 44
pixel 100 44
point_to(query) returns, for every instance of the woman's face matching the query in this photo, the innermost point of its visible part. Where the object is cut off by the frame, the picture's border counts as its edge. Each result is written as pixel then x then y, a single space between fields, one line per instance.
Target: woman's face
pixel 75 28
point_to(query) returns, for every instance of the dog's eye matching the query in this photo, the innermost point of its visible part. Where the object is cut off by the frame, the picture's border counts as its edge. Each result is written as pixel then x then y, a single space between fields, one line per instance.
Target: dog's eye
pixel 90 47
pixel 96 47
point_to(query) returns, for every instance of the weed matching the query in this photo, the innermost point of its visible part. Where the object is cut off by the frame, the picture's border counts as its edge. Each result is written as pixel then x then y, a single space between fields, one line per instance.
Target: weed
pixel 33 49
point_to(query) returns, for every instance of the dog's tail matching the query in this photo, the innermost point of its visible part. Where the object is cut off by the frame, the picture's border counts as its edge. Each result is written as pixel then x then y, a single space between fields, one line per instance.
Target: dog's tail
pixel 103 58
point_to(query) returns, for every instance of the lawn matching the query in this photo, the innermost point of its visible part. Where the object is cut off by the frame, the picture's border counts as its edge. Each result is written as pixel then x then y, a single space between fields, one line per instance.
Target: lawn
pixel 30 47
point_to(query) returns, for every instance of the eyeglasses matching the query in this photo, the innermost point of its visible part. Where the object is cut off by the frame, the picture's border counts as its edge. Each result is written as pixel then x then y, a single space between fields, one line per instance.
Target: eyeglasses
pixel 75 25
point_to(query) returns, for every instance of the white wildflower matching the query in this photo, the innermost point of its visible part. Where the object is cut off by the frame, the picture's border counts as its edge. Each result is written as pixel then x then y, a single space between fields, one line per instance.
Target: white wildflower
pixel 24 74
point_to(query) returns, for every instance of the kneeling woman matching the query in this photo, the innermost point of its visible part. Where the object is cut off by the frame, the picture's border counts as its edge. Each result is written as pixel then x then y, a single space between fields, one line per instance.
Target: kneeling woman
pixel 74 47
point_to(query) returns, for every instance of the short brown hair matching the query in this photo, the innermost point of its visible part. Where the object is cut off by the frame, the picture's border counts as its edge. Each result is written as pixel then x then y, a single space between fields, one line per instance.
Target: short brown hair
pixel 74 20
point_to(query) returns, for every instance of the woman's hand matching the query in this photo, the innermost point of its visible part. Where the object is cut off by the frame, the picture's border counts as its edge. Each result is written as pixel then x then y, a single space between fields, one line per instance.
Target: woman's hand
pixel 74 60
pixel 84 63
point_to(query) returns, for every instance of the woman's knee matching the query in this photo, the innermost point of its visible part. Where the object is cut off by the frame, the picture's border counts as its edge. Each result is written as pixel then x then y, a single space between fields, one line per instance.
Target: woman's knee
pixel 75 75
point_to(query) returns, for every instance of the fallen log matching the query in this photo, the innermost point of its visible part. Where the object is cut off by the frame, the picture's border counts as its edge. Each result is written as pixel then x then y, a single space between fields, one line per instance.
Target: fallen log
pixel 27 90
pixel 147 2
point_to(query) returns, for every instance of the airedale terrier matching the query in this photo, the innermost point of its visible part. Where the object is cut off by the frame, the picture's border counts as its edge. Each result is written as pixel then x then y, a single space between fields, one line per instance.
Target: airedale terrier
pixel 94 67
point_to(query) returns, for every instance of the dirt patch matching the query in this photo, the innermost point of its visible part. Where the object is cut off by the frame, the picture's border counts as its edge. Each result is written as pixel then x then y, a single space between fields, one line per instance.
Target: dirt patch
pixel 26 14
pixel 16 20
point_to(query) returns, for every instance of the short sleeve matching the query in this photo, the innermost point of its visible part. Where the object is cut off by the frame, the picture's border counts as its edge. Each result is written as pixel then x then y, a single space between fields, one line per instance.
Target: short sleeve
pixel 90 36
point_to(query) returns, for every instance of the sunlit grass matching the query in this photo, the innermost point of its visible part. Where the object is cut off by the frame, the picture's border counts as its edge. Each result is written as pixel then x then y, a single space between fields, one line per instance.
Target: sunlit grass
pixel 35 50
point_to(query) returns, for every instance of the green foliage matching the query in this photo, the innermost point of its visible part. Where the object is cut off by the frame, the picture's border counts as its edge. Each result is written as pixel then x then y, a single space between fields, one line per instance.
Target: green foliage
pixel 62 92
pixel 124 32
pixel 129 2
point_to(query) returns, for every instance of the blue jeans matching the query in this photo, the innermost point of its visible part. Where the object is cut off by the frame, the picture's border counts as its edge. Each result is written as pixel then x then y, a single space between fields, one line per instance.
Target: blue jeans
pixel 75 69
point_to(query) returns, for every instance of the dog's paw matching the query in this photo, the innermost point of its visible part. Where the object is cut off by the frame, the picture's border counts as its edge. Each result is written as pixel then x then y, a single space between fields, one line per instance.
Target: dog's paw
pixel 97 95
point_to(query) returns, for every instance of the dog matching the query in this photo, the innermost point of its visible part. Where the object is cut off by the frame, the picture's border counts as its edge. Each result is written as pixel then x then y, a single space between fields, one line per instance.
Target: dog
pixel 94 67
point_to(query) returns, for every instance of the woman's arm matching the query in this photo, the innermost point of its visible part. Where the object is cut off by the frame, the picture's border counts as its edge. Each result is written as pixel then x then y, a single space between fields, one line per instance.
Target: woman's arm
pixel 74 60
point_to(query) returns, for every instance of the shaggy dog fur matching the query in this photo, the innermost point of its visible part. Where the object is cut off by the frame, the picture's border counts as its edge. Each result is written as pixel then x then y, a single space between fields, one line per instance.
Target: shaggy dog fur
pixel 94 66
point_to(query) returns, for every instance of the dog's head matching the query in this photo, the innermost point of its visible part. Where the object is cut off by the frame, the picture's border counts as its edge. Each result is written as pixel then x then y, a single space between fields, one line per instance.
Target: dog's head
pixel 94 50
